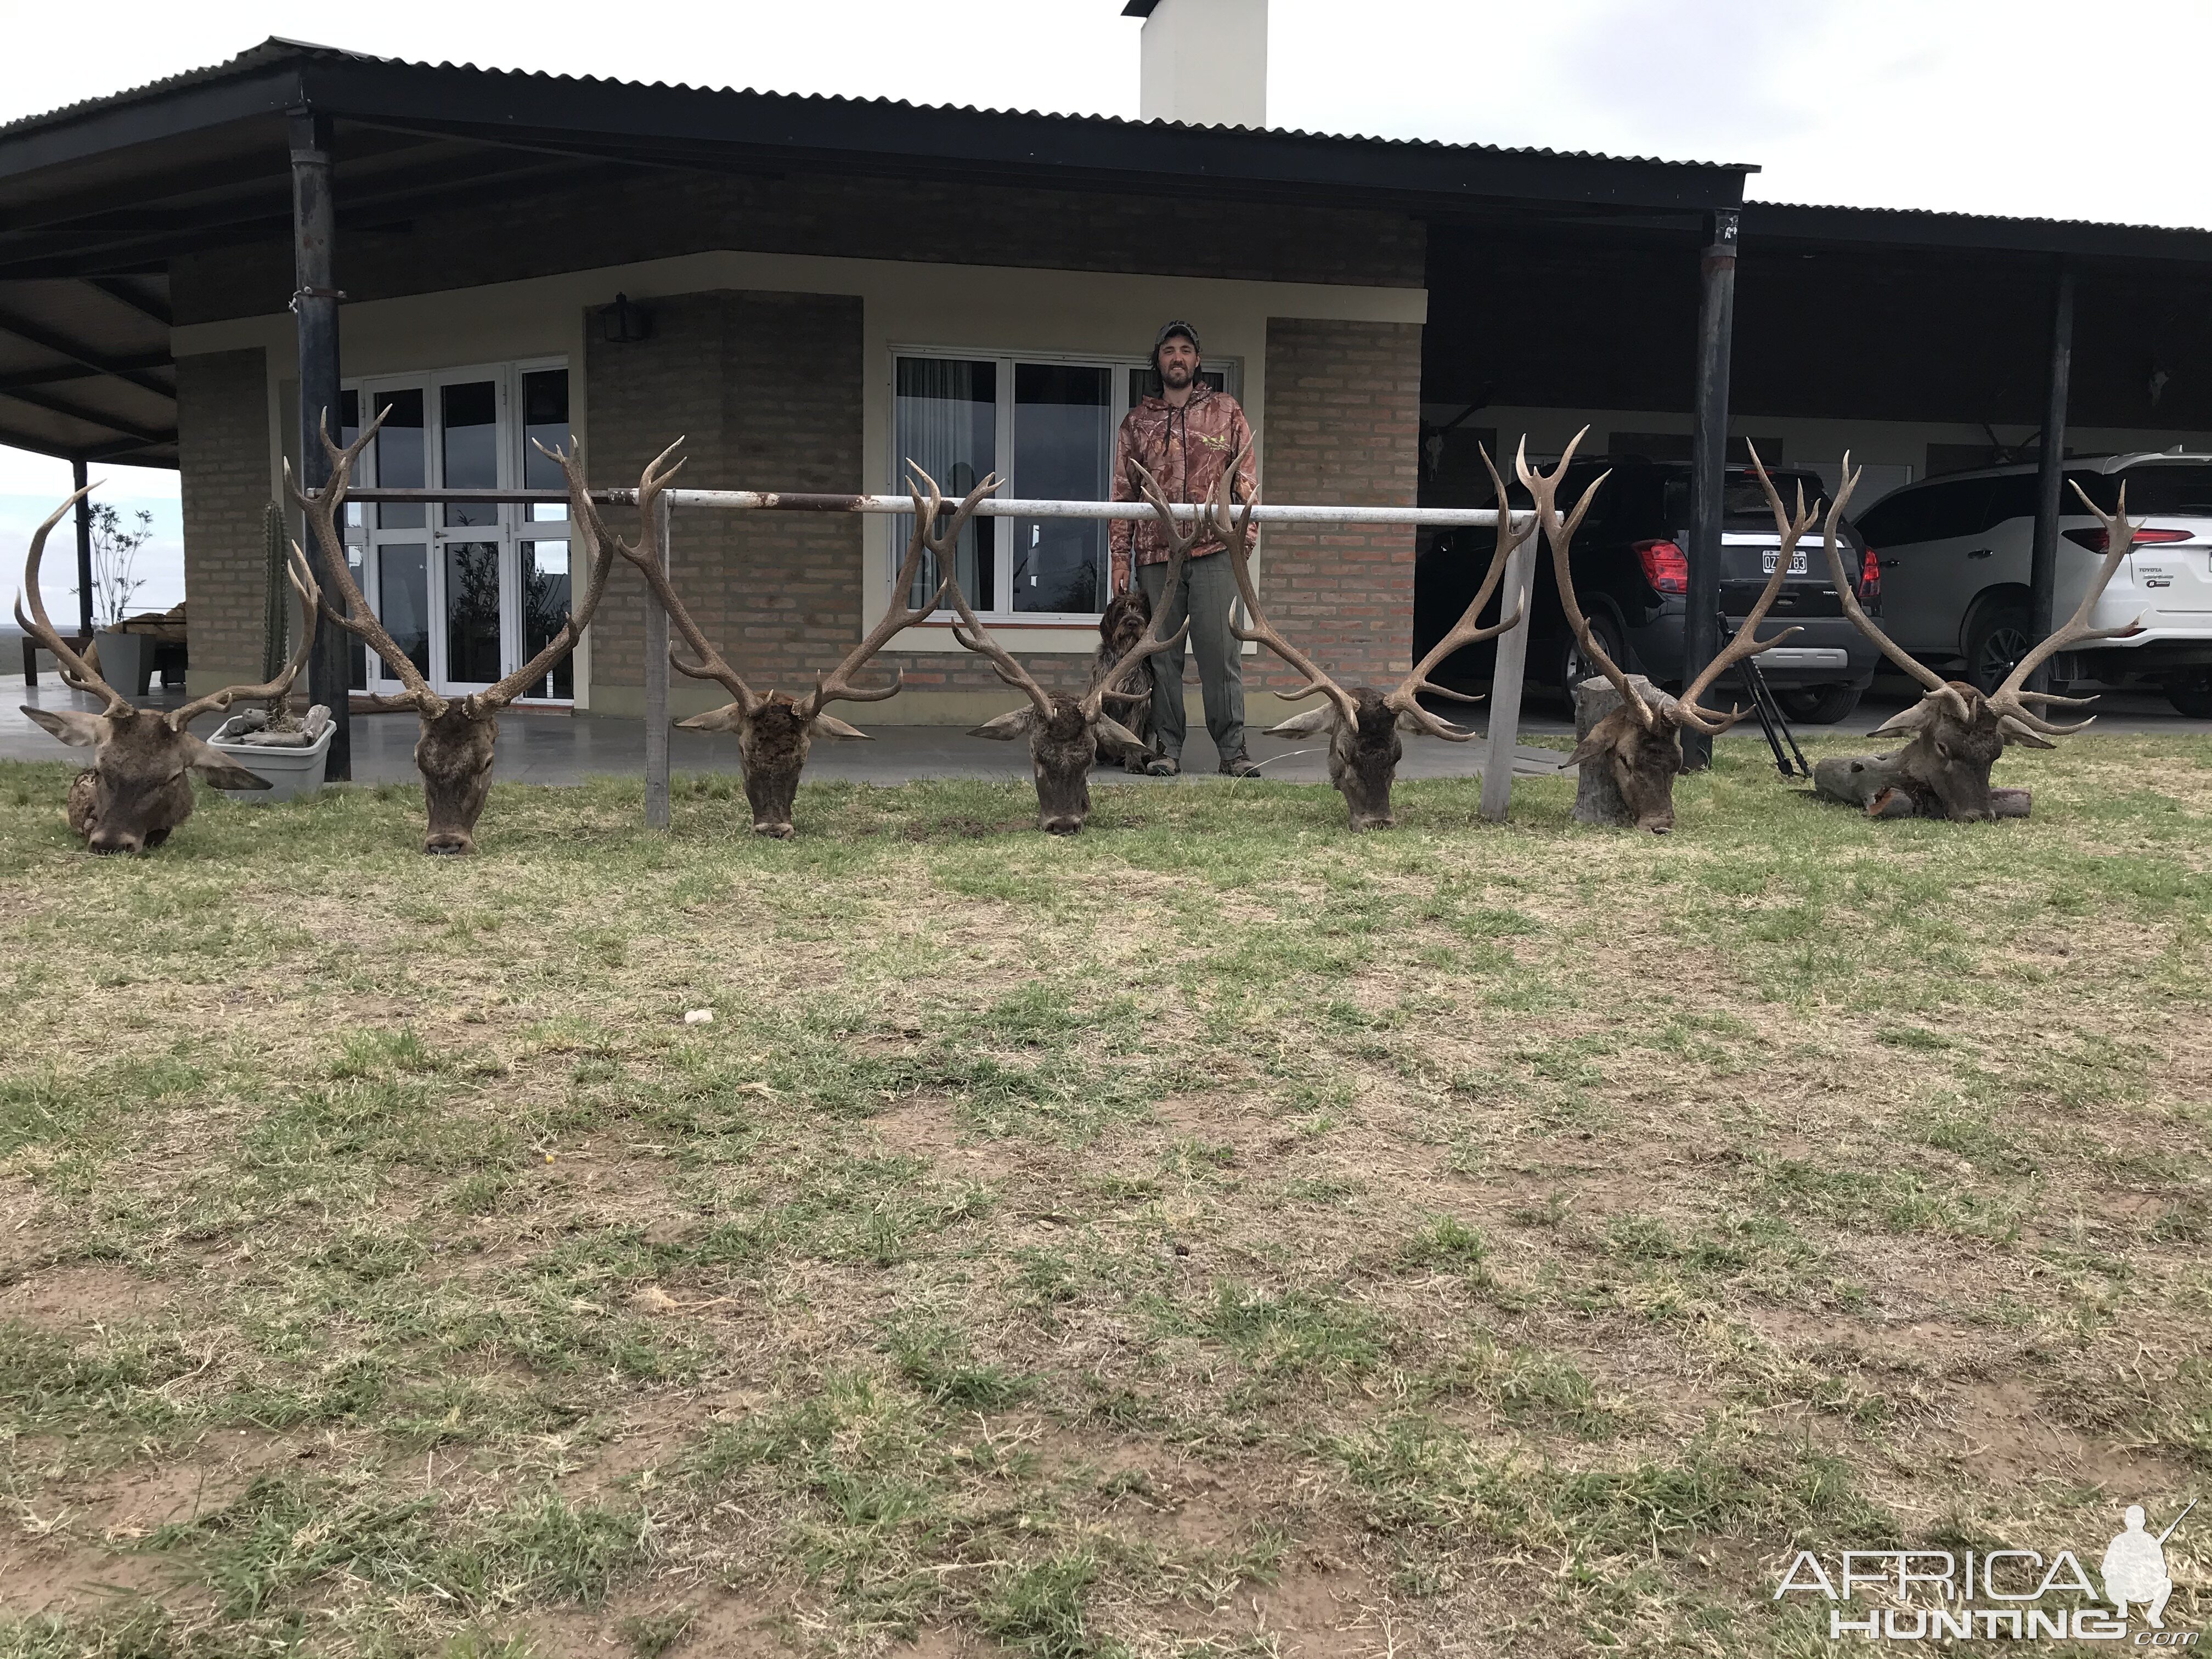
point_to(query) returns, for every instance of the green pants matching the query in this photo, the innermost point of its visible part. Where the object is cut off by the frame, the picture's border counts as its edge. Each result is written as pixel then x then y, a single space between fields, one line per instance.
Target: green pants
pixel 1209 591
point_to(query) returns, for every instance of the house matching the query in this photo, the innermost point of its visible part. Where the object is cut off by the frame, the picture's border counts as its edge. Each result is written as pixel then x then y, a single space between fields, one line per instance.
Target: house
pixel 808 290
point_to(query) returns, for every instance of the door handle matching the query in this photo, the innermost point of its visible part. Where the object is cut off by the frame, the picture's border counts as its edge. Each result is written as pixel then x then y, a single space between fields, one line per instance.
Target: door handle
pixel 1889 564
pixel 1979 553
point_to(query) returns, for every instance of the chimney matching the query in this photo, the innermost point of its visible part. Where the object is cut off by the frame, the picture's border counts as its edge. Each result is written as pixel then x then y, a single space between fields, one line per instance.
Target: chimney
pixel 1206 61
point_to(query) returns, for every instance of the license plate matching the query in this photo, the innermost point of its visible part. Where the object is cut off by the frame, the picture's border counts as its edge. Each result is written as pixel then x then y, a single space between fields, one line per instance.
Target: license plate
pixel 1797 565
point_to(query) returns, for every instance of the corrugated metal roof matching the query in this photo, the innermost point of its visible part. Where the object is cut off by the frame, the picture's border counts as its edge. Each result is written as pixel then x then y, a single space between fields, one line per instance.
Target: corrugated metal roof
pixel 1995 220
pixel 277 50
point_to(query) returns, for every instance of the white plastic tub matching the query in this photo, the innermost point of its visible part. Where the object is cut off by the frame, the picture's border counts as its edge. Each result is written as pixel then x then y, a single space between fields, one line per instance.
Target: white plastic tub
pixel 294 771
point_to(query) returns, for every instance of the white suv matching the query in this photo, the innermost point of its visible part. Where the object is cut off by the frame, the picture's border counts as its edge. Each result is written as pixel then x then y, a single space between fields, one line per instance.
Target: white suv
pixel 1954 554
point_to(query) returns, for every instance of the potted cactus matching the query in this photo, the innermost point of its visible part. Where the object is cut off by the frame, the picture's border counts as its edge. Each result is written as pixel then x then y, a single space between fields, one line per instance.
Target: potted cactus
pixel 274 742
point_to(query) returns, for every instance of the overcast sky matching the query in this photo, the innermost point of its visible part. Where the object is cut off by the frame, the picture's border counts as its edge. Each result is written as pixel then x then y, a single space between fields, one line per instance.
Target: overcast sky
pixel 2005 107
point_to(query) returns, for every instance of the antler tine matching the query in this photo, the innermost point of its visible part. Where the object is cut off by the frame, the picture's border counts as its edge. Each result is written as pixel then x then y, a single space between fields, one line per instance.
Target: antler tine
pixel 646 555
pixel 352 611
pixel 1544 491
pixel 1746 642
pixel 76 673
pixel 967 631
pixel 837 686
pixel 1152 642
pixel 1465 631
pixel 585 538
pixel 301 576
pixel 1848 596
pixel 2119 537
pixel 1263 632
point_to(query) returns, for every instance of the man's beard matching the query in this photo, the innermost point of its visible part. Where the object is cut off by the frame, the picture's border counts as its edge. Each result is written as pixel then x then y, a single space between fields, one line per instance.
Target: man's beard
pixel 1175 376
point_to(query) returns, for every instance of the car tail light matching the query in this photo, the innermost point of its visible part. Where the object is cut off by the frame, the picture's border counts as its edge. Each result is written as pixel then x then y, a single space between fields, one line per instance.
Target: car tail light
pixel 1870 577
pixel 1664 567
pixel 2096 542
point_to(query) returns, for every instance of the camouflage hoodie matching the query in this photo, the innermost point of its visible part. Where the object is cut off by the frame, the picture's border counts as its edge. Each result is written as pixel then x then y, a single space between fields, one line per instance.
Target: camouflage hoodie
pixel 1185 450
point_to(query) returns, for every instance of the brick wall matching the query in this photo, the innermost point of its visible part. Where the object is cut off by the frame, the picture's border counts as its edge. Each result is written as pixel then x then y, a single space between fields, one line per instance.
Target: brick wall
pixel 222 425
pixel 633 216
pixel 1343 425
pixel 760 386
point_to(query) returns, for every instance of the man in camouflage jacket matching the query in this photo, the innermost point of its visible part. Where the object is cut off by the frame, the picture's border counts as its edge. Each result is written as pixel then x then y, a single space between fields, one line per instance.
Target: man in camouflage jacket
pixel 1185 438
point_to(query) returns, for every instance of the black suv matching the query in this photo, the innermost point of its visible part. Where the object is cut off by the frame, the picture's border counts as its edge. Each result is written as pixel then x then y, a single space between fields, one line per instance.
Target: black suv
pixel 1632 578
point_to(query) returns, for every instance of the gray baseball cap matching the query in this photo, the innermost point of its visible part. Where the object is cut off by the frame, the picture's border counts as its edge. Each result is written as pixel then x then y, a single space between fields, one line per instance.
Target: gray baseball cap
pixel 1168 331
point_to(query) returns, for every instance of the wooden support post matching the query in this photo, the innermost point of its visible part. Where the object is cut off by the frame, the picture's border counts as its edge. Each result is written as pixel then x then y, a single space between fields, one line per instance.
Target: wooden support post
pixel 2050 475
pixel 315 308
pixel 1506 682
pixel 1709 460
pixel 77 480
pixel 656 689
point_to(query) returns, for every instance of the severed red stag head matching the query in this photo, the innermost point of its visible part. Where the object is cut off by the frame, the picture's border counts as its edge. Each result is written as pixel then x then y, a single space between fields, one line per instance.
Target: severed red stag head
pixel 1641 741
pixel 138 788
pixel 776 731
pixel 455 749
pixel 1364 723
pixel 1957 733
pixel 1067 734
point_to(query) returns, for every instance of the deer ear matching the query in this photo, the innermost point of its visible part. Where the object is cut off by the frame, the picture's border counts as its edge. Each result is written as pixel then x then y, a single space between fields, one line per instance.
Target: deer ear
pixel 1589 748
pixel 72 726
pixel 829 726
pixel 1112 731
pixel 1006 727
pixel 730 717
pixel 1305 725
pixel 217 768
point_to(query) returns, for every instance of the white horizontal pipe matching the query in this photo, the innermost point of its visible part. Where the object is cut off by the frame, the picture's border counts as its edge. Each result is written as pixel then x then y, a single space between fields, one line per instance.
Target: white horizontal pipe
pixel 997 507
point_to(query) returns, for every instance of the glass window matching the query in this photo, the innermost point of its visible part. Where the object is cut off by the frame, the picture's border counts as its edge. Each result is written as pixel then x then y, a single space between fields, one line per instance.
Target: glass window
pixel 2177 489
pixel 1063 449
pixel 468 420
pixel 546 597
pixel 472 612
pixel 1929 513
pixel 947 423
pixel 401 463
pixel 545 421
pixel 403 594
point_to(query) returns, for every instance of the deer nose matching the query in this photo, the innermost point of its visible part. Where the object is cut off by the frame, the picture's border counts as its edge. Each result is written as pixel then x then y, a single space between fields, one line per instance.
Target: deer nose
pixel 1062 826
pixel 775 831
pixel 448 843
pixel 105 842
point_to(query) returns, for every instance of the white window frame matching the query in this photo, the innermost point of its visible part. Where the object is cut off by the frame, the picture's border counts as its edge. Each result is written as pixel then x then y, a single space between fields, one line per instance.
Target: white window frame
pixel 511 530
pixel 1117 365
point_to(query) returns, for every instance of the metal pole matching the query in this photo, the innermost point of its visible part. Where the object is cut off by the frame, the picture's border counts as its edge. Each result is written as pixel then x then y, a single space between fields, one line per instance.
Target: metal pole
pixel 656 689
pixel 2051 474
pixel 83 549
pixel 315 308
pixel 1708 459
pixel 1505 684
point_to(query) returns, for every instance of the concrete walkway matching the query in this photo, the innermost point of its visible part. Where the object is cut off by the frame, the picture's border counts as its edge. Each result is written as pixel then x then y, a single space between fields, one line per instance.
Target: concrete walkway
pixel 557 749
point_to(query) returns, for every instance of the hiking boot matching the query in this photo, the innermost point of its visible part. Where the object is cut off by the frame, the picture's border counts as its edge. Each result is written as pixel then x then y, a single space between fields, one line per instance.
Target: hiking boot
pixel 1240 766
pixel 1163 766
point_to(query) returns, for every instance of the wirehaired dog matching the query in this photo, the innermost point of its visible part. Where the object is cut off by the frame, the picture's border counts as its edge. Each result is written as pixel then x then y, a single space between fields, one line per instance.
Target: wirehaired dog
pixel 1127 618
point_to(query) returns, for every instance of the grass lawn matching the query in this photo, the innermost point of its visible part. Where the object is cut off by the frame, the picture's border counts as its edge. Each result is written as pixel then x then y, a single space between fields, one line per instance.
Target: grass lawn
pixel 1215 1234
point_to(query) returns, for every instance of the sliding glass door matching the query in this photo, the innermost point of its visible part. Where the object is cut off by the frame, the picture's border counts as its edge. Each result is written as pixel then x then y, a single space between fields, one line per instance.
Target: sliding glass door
pixel 468 590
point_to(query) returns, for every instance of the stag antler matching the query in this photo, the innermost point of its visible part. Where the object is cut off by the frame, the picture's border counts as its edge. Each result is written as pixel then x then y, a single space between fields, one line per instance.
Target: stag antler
pixel 969 631
pixel 1544 490
pixel 1179 542
pixel 837 686
pixel 320 509
pixel 1936 684
pixel 598 552
pixel 298 571
pixel 2008 700
pixel 1263 632
pixel 76 673
pixel 1465 632
pixel 1746 642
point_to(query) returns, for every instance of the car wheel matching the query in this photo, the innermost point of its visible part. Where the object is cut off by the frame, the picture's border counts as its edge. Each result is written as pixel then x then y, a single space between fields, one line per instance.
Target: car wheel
pixel 2191 697
pixel 1574 665
pixel 1819 705
pixel 1997 640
